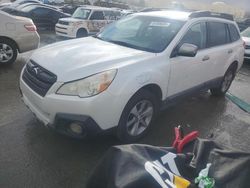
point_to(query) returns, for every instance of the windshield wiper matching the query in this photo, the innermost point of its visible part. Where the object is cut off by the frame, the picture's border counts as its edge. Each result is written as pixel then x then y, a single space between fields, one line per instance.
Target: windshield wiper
pixel 121 43
pixel 97 37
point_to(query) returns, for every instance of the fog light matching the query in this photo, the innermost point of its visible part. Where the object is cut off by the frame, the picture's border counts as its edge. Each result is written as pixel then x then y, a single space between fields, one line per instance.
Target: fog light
pixel 76 128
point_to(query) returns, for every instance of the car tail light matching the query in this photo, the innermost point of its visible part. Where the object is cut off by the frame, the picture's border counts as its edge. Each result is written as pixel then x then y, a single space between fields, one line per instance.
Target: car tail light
pixel 30 27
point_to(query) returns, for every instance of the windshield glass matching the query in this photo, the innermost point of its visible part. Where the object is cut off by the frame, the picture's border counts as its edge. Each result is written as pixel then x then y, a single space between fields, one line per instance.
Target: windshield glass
pixel 81 13
pixel 152 34
pixel 246 33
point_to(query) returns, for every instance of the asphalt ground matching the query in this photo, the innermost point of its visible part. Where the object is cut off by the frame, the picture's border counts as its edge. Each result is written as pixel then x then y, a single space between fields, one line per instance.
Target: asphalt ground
pixel 33 156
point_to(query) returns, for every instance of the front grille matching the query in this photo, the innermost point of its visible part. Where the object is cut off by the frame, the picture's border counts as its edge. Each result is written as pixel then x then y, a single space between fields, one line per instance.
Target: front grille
pixel 247 47
pixel 38 78
pixel 61 32
pixel 61 27
pixel 247 55
pixel 63 22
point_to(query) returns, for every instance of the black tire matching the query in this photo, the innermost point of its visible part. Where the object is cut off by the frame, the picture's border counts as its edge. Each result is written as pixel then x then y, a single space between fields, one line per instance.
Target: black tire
pixel 226 82
pixel 11 46
pixel 81 33
pixel 140 97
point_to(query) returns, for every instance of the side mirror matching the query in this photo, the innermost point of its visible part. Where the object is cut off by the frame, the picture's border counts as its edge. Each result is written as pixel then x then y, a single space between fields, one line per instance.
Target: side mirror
pixel 188 50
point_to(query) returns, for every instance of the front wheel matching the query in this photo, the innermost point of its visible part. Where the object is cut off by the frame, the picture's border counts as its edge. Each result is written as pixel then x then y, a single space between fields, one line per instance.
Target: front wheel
pixel 8 52
pixel 225 84
pixel 137 116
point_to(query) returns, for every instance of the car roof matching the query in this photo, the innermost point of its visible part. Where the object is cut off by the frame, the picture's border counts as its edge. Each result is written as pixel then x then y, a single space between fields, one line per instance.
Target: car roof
pixel 35 5
pixel 171 14
pixel 97 8
pixel 184 15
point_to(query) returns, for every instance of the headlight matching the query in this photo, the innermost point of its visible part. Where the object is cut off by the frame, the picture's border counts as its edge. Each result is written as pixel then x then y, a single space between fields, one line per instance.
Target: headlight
pixel 89 86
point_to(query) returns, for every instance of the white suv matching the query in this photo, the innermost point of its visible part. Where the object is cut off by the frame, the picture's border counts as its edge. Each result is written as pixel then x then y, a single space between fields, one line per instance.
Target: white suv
pixel 123 76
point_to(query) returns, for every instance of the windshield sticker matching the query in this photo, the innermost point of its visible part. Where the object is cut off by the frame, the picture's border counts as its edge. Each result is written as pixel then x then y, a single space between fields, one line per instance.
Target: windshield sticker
pixel 159 24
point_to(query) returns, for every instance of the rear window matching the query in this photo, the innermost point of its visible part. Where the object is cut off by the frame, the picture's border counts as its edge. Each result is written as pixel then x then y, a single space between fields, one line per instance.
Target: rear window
pixel 234 34
pixel 217 34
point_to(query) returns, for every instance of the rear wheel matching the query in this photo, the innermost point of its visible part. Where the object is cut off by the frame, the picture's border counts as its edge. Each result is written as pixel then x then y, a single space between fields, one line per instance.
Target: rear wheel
pixel 81 33
pixel 137 116
pixel 226 82
pixel 8 51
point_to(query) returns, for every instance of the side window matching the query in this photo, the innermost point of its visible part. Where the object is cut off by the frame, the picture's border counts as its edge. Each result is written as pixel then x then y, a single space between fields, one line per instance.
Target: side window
pixel 196 35
pixel 234 34
pixel 217 34
pixel 40 12
pixel 97 15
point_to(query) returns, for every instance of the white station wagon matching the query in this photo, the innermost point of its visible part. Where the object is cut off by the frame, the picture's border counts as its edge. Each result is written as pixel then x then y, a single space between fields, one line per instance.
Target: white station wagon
pixel 136 66
pixel 86 20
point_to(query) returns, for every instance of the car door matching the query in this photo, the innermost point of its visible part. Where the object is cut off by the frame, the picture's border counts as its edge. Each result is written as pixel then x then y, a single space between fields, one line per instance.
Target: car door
pixel 97 21
pixel 190 73
pixel 220 49
pixel 54 15
pixel 41 16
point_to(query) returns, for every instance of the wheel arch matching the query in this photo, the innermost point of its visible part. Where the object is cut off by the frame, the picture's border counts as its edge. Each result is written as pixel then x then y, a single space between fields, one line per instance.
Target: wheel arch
pixel 81 29
pixel 154 89
pixel 234 65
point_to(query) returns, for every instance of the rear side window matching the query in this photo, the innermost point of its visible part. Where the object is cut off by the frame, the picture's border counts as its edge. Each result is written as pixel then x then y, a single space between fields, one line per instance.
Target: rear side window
pixel 111 15
pixel 41 12
pixel 97 15
pixel 218 34
pixel 234 34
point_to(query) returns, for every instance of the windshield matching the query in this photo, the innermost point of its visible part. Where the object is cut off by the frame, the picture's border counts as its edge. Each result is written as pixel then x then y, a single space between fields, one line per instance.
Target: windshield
pixel 81 13
pixel 246 33
pixel 152 34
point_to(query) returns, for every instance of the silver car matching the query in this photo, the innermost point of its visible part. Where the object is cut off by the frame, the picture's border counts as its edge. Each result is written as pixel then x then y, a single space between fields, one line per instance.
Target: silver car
pixel 17 35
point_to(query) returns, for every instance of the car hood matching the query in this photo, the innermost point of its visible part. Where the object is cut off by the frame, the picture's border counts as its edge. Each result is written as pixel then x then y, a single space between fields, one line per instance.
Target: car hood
pixel 78 58
pixel 246 40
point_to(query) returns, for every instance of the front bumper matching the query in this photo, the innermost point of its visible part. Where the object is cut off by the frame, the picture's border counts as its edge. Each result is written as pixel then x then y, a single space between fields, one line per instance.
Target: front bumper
pixel 97 114
pixel 65 31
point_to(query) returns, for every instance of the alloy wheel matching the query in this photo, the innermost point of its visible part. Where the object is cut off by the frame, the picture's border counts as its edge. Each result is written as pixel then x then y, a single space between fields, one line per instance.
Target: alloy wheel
pixel 6 53
pixel 140 117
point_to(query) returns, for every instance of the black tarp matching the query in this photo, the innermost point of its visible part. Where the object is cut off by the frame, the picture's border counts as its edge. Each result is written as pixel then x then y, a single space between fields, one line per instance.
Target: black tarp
pixel 143 166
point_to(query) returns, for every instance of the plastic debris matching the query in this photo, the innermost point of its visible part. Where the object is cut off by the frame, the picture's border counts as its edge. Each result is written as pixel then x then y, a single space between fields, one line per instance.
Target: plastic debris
pixel 203 180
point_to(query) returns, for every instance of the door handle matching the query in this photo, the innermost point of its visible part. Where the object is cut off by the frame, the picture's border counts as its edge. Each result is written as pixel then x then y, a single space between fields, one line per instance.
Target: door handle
pixel 206 58
pixel 230 51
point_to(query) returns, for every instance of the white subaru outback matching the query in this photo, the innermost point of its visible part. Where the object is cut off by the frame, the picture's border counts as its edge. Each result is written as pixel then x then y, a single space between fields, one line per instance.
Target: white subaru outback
pixel 124 75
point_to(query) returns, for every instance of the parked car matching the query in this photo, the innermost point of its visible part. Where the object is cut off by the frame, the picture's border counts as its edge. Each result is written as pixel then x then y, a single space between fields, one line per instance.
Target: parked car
pixel 16 9
pixel 4 5
pixel 86 20
pixel 43 16
pixel 246 38
pixel 14 34
pixel 20 2
pixel 127 12
pixel 121 78
pixel 244 24
pixel 70 9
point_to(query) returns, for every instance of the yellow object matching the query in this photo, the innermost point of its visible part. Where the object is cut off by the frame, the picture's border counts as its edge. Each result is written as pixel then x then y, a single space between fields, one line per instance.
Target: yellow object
pixel 180 182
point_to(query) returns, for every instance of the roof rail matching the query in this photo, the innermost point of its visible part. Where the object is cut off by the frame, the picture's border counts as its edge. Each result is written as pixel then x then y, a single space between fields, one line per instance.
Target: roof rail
pixel 199 14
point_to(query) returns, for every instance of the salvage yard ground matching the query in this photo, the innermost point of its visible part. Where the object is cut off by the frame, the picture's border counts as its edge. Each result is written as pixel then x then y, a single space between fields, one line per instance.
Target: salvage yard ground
pixel 33 156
